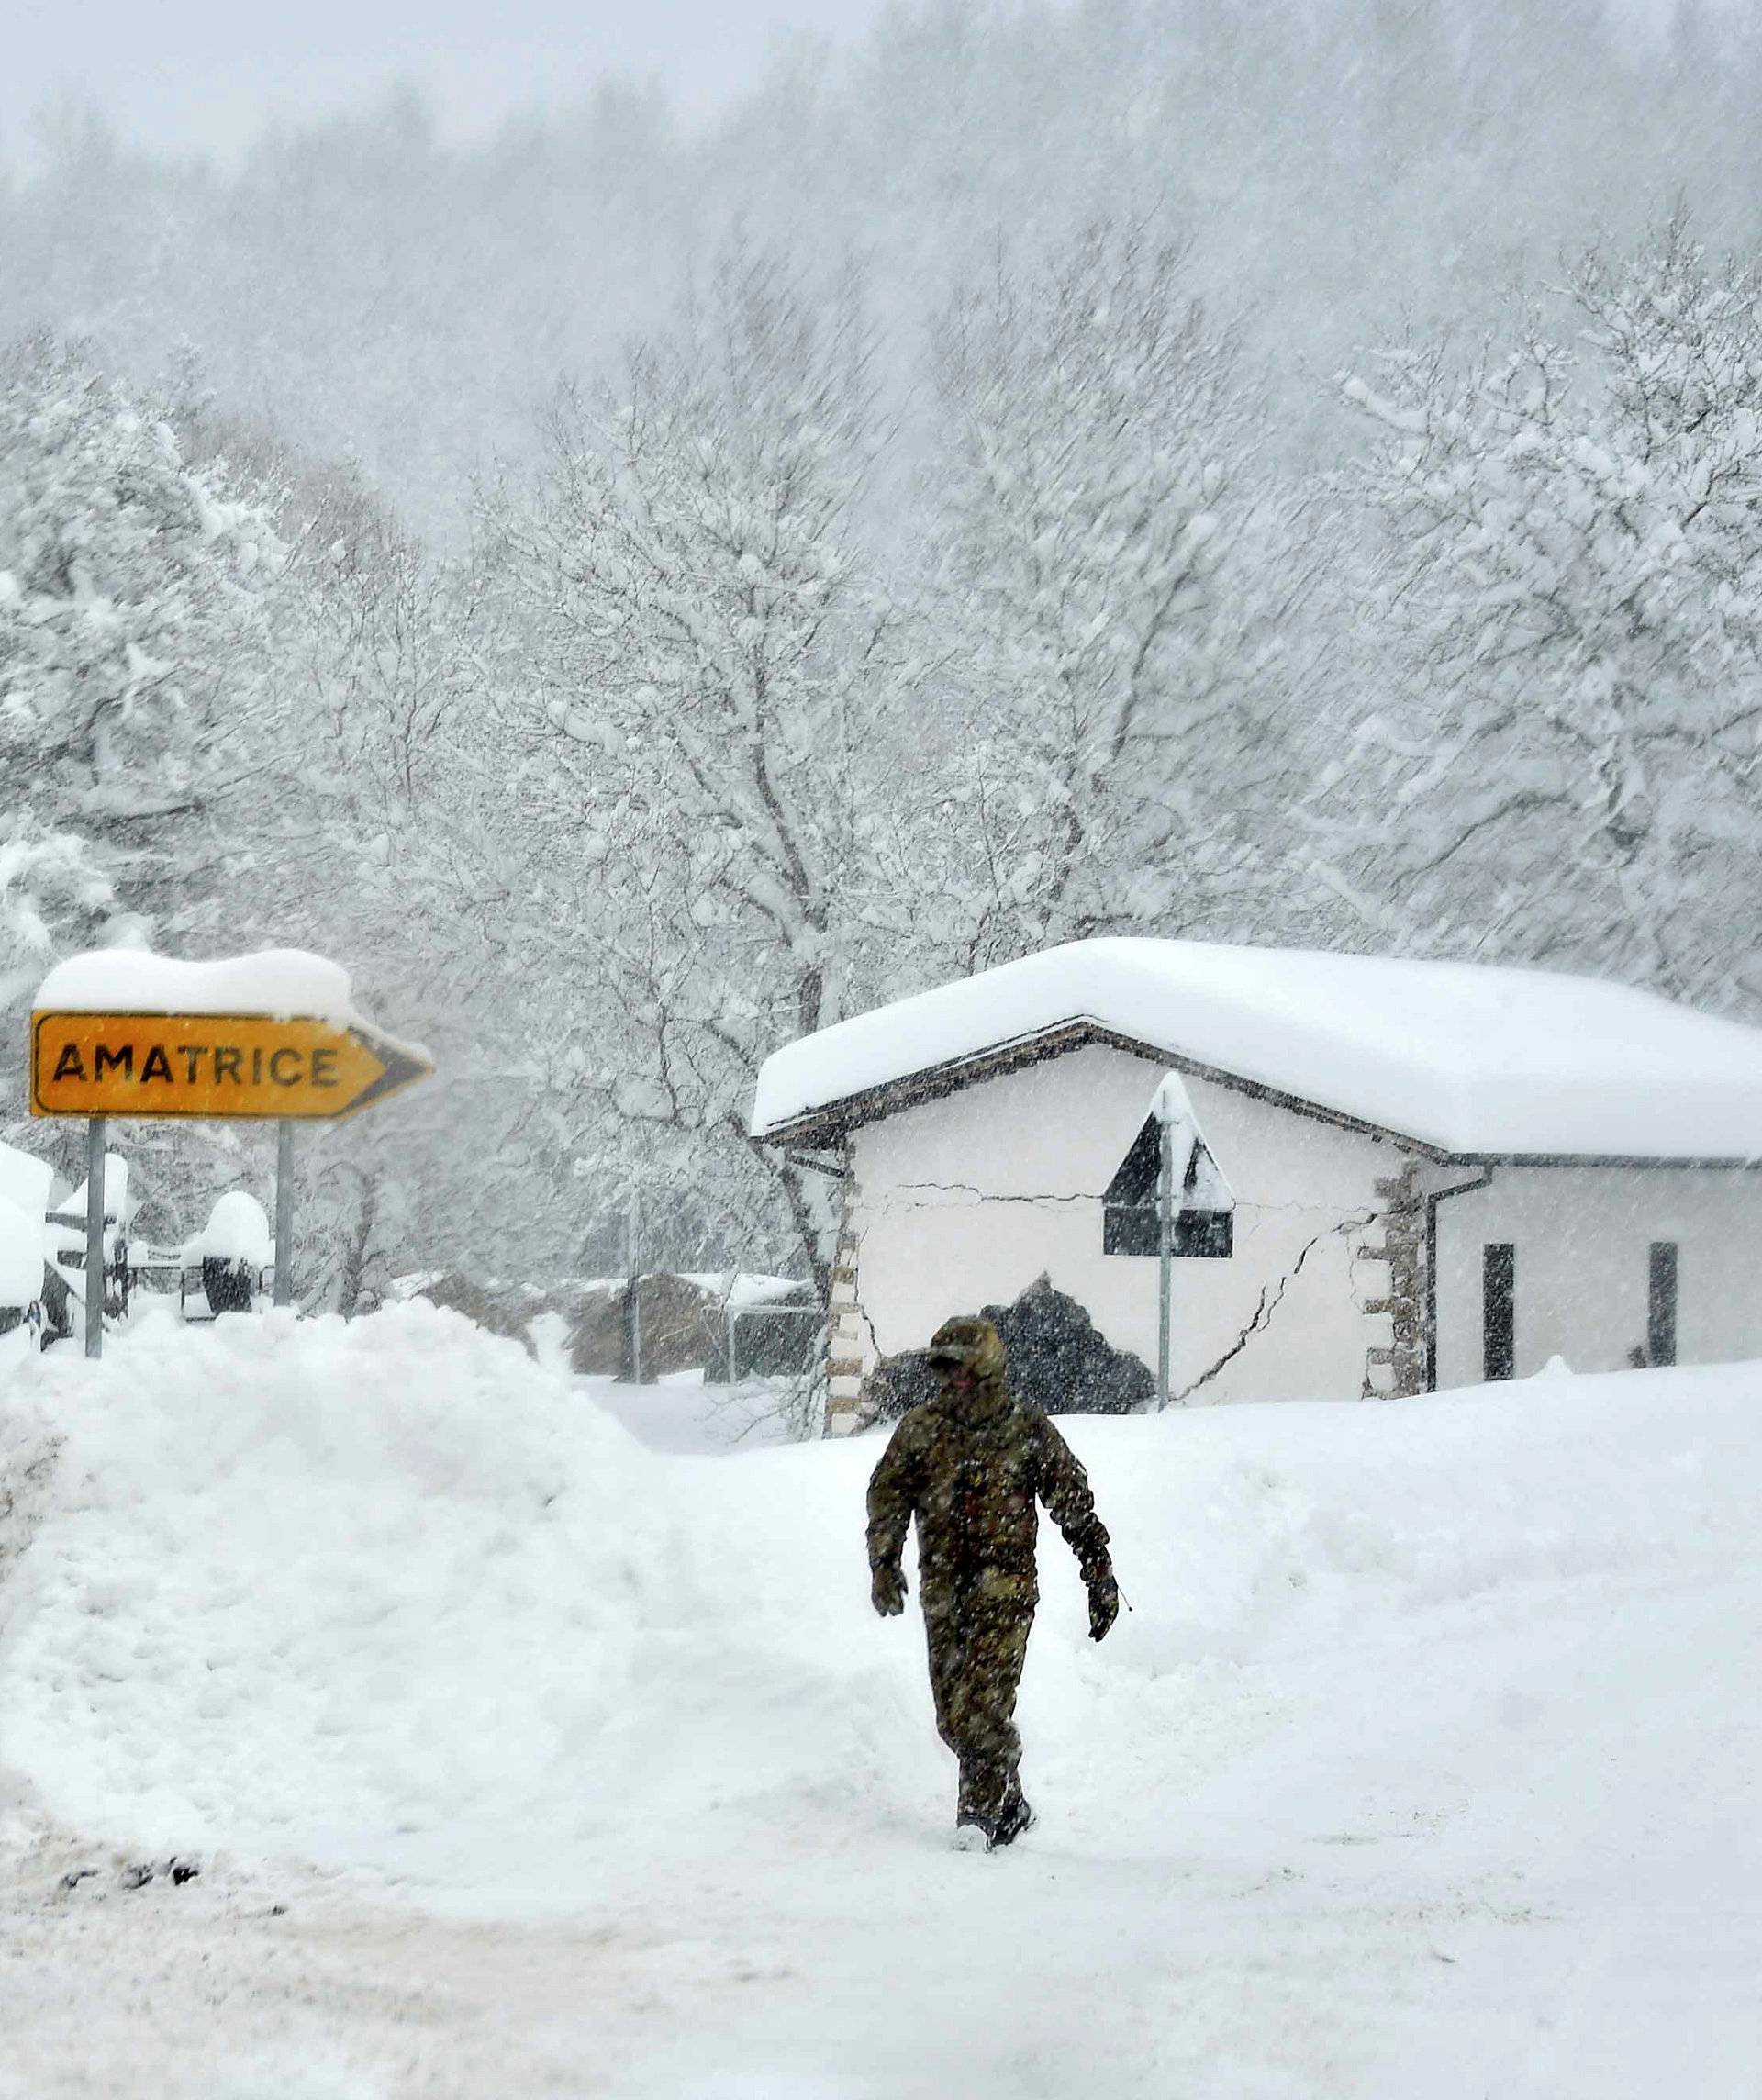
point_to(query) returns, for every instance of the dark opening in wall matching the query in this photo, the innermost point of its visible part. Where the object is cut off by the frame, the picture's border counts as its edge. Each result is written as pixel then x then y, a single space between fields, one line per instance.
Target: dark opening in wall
pixel 1661 1304
pixel 1498 1309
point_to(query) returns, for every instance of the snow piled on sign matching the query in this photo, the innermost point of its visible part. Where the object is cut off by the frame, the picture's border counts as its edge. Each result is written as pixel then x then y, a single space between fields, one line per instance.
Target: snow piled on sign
pixel 281 983
pixel 1469 1058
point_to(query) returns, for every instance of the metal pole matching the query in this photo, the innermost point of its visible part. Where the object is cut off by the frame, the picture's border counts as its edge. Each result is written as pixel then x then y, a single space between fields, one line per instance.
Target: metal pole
pixel 285 1211
pixel 95 1236
pixel 1166 1251
pixel 632 1244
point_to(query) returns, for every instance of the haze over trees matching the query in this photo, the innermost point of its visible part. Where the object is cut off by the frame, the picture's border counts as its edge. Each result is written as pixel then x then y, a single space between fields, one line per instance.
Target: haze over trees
pixel 1251 471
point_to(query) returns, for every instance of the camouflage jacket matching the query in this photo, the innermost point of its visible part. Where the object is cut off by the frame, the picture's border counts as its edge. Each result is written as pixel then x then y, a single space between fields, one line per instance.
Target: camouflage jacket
pixel 970 1470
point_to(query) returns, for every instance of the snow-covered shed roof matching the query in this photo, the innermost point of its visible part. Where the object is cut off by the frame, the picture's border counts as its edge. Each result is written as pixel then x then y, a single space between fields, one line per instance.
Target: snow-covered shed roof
pixel 1467 1060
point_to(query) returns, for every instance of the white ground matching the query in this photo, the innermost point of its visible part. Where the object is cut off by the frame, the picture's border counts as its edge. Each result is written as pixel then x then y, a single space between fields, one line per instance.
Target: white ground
pixel 522 1760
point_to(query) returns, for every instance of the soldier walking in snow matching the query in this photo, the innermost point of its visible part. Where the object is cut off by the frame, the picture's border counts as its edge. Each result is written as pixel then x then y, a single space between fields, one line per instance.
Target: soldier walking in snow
pixel 969 1466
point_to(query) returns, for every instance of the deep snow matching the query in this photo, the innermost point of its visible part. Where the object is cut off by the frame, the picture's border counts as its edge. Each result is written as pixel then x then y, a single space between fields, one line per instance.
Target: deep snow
pixel 1422 1767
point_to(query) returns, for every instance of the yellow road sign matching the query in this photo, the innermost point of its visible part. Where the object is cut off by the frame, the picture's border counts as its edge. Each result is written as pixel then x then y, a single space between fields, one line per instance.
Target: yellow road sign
pixel 212 1066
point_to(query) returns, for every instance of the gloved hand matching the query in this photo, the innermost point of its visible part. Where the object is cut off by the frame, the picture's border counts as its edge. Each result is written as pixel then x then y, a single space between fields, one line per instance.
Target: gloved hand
pixel 890 1592
pixel 1104 1606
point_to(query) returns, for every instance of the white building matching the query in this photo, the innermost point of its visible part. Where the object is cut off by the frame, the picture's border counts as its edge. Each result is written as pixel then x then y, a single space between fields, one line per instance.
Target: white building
pixel 1399 1174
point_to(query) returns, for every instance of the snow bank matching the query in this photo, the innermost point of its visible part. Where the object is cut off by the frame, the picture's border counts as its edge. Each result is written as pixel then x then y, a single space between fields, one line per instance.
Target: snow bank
pixel 388 1595
pixel 26 1180
pixel 21 1256
pixel 310 1584
pixel 1471 1059
pixel 280 982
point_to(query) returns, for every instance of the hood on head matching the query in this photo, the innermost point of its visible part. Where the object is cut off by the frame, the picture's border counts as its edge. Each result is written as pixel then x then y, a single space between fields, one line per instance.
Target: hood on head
pixel 966 1343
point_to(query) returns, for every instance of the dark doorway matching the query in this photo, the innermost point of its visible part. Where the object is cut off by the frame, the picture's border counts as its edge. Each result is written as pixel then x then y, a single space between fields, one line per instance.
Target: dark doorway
pixel 1498 1309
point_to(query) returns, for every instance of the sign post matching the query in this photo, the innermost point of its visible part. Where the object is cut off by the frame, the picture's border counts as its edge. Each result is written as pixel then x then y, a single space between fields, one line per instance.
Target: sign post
pixel 633 1263
pixel 95 1195
pixel 209 1067
pixel 1164 1248
pixel 285 1211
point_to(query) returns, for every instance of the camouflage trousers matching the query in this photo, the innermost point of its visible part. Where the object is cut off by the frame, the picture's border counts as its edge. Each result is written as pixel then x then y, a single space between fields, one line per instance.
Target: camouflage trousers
pixel 975 1660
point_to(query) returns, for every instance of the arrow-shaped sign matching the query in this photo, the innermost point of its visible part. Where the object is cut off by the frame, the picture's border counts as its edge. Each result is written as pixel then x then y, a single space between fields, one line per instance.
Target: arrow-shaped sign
pixel 213 1066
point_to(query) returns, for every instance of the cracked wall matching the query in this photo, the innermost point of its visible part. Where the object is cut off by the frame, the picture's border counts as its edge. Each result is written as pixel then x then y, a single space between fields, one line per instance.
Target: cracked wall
pixel 965 1201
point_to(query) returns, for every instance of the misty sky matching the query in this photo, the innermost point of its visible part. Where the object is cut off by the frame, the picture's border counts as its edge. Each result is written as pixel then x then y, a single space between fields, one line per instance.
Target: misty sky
pixel 204 75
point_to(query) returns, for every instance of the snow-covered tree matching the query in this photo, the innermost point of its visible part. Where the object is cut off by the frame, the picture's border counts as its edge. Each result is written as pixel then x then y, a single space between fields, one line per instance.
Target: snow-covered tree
pixel 222 681
pixel 1110 578
pixel 138 710
pixel 375 859
pixel 1573 577
pixel 132 611
pixel 688 787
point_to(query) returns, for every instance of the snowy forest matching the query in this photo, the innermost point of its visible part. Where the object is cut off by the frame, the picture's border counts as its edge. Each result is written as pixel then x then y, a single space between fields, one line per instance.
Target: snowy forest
pixel 634 592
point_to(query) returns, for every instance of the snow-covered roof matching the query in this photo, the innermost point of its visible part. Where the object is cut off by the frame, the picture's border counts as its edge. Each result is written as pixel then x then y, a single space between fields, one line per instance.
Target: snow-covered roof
pixel 739 1289
pixel 1468 1059
pixel 736 1289
pixel 281 982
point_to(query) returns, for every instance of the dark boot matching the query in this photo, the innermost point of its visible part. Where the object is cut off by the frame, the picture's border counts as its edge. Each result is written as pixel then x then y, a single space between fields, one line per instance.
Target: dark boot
pixel 973 1828
pixel 1016 1817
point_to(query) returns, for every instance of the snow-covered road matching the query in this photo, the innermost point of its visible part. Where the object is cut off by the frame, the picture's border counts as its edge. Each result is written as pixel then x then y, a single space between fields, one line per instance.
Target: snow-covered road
pixel 523 1761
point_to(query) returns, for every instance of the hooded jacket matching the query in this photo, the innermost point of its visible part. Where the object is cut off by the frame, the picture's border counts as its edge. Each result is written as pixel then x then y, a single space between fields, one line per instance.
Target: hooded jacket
pixel 970 1465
